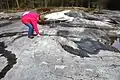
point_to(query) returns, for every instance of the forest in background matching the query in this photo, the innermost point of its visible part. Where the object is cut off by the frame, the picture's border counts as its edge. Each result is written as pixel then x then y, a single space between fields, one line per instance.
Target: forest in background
pixel 107 4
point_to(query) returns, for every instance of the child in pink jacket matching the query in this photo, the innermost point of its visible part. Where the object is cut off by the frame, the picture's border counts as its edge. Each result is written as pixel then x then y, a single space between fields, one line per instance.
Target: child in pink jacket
pixel 31 19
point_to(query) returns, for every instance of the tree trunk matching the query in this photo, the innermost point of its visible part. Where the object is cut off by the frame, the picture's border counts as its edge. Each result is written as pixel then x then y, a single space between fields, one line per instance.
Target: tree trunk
pixel 76 3
pixel 7 4
pixel 33 3
pixel 88 4
pixel 81 1
pixel 18 6
pixel 62 3
pixel 46 3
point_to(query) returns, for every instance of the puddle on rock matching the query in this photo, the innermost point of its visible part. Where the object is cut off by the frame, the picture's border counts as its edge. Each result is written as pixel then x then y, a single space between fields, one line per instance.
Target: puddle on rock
pixel 115 42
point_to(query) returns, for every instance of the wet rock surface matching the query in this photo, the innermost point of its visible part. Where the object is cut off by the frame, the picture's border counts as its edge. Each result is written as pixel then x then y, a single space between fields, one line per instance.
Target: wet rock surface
pixel 66 51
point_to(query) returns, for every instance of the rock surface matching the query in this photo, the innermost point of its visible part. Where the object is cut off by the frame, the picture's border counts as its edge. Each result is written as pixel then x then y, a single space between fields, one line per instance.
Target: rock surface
pixel 63 52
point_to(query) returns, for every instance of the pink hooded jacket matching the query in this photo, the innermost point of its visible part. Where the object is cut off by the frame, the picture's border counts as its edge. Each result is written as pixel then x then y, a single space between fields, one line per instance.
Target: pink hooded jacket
pixel 31 18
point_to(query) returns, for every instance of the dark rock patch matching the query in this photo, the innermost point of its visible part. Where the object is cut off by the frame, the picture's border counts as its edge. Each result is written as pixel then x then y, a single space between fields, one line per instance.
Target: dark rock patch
pixel 11 58
pixel 77 52
pixel 88 46
pixel 10 34
pixel 5 22
pixel 62 33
